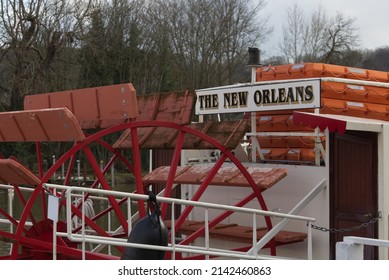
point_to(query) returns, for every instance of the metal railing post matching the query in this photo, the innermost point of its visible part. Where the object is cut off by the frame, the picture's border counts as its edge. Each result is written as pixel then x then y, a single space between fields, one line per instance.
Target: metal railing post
pixel 206 224
pixel 349 251
pixel 173 232
pixel 54 234
pixel 277 228
pixel 309 245
pixel 83 226
pixel 10 211
pixel 255 234
pixel 352 247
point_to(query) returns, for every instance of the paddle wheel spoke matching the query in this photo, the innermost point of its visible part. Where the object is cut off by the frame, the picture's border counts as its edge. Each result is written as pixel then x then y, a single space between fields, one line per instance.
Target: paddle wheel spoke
pixel 11 219
pixel 216 220
pixel 201 190
pixel 23 201
pixel 137 169
pixel 172 171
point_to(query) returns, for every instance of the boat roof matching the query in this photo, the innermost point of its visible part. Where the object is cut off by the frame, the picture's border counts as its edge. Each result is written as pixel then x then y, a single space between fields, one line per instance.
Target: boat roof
pixel 96 107
pixel 351 99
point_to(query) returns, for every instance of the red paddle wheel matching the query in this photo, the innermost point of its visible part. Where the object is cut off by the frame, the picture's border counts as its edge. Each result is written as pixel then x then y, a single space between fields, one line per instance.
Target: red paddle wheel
pixel 114 119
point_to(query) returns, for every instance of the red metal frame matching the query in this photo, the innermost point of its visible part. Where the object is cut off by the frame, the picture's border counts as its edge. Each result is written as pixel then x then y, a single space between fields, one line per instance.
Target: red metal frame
pixel 172 172
pixel 140 187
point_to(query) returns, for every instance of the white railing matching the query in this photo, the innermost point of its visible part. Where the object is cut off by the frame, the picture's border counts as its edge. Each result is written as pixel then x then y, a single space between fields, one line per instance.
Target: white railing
pixel 352 247
pixel 85 236
pixel 10 204
pixel 207 250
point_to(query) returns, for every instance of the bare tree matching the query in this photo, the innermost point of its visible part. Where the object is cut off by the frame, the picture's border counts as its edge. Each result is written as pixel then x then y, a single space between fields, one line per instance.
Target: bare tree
pixel 209 39
pixel 295 34
pixel 35 40
pixel 240 32
pixel 340 37
pixel 377 59
pixel 317 38
pixel 49 45
pixel 121 45
pixel 315 35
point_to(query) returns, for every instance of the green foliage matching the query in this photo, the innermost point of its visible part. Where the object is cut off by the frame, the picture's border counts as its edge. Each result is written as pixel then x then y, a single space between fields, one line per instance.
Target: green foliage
pixel 377 59
pixel 94 71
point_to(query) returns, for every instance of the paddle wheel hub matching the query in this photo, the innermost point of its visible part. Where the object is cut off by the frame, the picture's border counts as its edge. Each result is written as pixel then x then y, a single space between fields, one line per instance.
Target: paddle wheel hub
pixel 42 231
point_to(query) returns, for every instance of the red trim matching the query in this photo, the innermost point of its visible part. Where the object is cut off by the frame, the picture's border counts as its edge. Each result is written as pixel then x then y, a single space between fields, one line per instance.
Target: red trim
pixel 322 122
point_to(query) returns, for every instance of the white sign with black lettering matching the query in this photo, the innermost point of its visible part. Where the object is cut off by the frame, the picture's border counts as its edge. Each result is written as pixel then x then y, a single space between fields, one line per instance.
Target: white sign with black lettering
pixel 286 95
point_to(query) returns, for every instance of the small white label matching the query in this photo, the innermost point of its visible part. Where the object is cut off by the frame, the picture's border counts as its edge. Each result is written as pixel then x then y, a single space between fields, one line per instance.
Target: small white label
pixel 356 70
pixel 52 211
pixel 265 118
pixel 355 104
pixel 355 87
pixel 297 66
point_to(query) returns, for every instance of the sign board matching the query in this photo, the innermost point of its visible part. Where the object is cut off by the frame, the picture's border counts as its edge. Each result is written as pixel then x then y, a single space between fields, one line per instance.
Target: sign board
pixel 285 95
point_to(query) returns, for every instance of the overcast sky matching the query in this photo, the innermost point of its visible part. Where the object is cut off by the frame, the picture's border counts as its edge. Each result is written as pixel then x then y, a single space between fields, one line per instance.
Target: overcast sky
pixel 372 19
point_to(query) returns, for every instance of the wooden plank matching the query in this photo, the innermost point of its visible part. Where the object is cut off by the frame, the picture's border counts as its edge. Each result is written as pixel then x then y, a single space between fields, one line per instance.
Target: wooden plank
pixel 244 234
pixel 264 178
pixel 12 172
pixel 177 107
pixel 227 133
pixel 238 233
pixel 97 107
pixel 40 125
